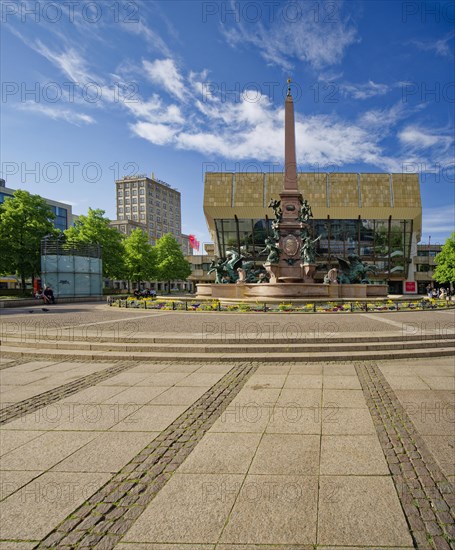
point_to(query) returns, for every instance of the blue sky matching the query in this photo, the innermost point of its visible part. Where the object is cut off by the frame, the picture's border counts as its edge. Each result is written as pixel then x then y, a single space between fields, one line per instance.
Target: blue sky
pixel 96 90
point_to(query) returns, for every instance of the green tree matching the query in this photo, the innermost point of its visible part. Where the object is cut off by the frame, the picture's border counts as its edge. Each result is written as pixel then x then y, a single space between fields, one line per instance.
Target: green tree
pixel 24 220
pixel 445 260
pixel 94 228
pixel 170 262
pixel 139 257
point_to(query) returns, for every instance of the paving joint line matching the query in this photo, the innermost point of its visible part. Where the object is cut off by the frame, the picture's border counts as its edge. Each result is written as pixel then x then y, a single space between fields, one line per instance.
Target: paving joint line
pixel 32 404
pixel 426 496
pixel 102 520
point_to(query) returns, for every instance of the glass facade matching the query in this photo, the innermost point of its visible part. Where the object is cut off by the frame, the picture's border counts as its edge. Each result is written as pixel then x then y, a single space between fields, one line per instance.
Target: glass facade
pixel 383 243
pixel 61 214
pixel 61 217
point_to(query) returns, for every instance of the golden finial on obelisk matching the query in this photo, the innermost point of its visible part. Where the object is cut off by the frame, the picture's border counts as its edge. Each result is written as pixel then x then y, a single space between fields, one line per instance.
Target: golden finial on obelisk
pixel 289 87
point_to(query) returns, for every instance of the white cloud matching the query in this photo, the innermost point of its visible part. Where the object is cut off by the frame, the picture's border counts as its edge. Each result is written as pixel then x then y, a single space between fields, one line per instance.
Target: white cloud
pixel 155 111
pixel 159 134
pixel 364 91
pixel 70 62
pixel 296 31
pixel 57 113
pixel 440 47
pixel 418 138
pixel 164 73
pixel 438 221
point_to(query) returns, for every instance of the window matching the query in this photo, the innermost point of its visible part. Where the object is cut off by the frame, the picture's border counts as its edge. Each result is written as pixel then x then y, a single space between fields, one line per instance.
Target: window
pixel 134 208
pixel 142 191
pixel 134 200
pixel 164 205
pixel 127 193
pixel 120 193
pixel 158 203
pixel 158 219
pixel 135 217
pixel 142 216
pixel 142 208
pixel 151 224
pixel 120 201
pixel 134 191
pixel 127 201
pixel 120 209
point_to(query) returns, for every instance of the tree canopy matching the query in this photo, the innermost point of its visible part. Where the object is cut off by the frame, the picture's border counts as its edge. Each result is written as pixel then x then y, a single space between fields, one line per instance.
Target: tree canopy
pixel 170 262
pixel 139 257
pixel 445 260
pixel 94 228
pixel 24 220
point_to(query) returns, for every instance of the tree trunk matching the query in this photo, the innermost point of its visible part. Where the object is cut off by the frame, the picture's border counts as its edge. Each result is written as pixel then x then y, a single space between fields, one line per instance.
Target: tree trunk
pixel 169 287
pixel 23 282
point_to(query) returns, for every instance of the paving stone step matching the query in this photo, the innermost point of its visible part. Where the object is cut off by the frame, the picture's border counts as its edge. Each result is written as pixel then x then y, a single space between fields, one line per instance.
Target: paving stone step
pixel 264 356
pixel 250 347
pixel 327 332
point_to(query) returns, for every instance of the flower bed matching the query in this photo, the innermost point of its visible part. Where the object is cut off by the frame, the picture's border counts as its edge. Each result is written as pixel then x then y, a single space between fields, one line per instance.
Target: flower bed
pixel 284 307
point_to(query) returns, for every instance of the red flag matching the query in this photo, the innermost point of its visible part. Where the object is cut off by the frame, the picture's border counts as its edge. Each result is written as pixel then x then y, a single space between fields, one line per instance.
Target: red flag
pixel 194 243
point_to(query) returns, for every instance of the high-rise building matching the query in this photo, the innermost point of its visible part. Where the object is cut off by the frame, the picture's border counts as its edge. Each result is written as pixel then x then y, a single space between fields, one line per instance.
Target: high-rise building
pixel 151 202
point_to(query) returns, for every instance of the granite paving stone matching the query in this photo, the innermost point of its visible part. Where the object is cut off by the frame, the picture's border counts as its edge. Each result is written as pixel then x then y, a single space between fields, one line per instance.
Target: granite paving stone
pixel 295 419
pixel 226 453
pixel 345 512
pixel 179 395
pixel 106 452
pixel 352 455
pixel 274 509
pixel 345 421
pixel 287 454
pixel 12 439
pixel 150 418
pixel 303 381
pixel 300 397
pixel 191 508
pixel 45 451
pixel 343 398
pixel 33 511
pixel 11 481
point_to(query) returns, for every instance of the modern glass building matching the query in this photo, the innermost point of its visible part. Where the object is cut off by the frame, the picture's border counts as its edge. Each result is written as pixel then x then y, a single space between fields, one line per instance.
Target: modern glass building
pixel 376 216
pixel 63 212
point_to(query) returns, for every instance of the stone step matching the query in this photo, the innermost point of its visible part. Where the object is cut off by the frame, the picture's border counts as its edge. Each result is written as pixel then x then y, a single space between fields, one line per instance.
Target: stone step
pixel 245 348
pixel 264 356
pixel 326 335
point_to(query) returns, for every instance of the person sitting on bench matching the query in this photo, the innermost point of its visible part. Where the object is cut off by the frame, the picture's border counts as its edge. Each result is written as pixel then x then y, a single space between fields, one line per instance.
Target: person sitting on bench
pixel 48 295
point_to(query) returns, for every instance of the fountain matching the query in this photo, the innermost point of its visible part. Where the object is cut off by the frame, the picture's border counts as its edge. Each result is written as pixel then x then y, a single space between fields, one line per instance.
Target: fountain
pixel 290 266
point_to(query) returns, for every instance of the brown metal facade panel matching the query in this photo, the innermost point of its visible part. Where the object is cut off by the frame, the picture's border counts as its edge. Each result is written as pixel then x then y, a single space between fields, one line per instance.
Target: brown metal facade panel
pixel 343 190
pixel 248 189
pixel 375 190
pixel 344 199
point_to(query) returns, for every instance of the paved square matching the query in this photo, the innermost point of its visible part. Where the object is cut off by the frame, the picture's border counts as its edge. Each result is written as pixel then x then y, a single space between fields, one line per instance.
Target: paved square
pixel 218 455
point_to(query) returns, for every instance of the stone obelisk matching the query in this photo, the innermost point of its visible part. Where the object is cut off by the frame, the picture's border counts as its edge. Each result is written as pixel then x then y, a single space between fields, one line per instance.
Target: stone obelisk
pixel 288 225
